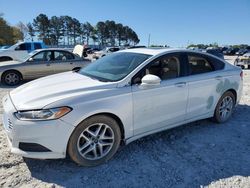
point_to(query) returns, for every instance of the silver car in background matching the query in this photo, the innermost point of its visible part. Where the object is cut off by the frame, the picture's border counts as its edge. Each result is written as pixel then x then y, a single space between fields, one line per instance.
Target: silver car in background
pixel 40 63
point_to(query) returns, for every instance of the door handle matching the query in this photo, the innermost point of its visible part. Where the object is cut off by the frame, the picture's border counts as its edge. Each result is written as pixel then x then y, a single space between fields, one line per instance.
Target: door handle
pixel 180 84
pixel 71 63
pixel 218 77
pixel 47 64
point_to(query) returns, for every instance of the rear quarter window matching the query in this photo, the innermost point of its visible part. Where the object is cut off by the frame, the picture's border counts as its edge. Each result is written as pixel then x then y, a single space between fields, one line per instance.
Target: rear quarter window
pixel 217 64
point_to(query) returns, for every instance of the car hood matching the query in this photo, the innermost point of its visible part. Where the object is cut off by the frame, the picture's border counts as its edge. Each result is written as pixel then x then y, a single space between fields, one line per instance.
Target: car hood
pixel 12 62
pixel 44 91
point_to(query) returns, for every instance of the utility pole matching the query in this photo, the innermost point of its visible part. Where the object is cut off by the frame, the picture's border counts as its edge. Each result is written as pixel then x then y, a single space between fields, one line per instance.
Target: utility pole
pixel 149 40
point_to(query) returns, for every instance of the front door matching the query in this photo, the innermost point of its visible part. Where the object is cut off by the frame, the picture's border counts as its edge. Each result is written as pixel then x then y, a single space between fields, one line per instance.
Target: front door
pixel 39 65
pixel 163 105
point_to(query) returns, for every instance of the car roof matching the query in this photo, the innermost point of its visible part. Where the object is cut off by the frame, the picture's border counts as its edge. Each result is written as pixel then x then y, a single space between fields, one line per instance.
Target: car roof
pixel 149 51
pixel 158 51
pixel 48 49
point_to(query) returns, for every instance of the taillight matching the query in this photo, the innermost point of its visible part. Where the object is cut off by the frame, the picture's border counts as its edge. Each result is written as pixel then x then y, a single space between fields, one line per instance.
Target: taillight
pixel 241 75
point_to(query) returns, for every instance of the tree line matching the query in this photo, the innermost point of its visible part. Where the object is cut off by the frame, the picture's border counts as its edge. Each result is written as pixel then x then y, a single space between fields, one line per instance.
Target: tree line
pixel 66 30
pixel 70 31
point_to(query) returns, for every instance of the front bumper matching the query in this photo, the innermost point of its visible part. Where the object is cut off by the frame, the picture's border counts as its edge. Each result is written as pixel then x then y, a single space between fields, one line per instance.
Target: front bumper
pixel 53 134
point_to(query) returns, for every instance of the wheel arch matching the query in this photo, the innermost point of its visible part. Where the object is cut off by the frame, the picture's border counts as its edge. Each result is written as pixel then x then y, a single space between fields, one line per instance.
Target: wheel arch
pixel 11 70
pixel 113 116
pixel 234 93
pixel 6 56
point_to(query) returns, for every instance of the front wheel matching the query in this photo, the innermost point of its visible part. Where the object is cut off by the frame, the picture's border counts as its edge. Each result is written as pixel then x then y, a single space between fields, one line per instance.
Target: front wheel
pixel 225 107
pixel 11 78
pixel 94 141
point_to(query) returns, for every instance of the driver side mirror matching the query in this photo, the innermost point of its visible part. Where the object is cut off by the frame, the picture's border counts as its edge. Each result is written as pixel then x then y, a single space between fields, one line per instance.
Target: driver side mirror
pixel 149 81
pixel 31 59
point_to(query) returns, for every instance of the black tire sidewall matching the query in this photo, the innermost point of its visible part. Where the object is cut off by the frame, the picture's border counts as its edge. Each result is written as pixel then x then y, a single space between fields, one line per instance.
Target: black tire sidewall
pixel 72 145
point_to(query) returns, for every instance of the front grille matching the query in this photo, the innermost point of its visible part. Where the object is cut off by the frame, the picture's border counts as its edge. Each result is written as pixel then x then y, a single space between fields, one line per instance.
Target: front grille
pixel 10 125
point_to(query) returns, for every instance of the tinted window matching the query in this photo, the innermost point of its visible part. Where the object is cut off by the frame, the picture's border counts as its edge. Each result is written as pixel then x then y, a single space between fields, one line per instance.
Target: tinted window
pixel 37 46
pixel 63 56
pixel 199 64
pixel 21 47
pixel 43 56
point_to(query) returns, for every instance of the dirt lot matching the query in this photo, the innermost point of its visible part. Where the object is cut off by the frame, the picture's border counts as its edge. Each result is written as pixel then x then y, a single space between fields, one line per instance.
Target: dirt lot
pixel 198 154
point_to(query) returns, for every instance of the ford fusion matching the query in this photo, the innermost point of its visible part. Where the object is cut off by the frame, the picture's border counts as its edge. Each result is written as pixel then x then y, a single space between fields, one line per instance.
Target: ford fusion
pixel 118 99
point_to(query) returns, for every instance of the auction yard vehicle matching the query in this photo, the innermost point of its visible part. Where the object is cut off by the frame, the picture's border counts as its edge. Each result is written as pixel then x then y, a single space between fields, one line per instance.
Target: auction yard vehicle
pixel 118 99
pixel 243 61
pixel 39 63
pixel 105 51
pixel 19 50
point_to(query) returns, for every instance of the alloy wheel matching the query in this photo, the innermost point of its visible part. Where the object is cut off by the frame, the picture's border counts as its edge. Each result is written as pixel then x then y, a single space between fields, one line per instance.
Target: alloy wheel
pixel 11 78
pixel 226 107
pixel 95 141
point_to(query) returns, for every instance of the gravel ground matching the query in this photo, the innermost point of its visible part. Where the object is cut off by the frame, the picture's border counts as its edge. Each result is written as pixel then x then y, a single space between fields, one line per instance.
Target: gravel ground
pixel 199 154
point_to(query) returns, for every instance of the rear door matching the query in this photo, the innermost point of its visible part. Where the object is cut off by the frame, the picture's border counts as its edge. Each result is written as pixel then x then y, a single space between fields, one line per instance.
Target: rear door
pixel 204 81
pixel 63 61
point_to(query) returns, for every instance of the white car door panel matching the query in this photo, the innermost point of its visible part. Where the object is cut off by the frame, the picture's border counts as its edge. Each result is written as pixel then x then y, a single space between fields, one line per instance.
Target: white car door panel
pixel 160 106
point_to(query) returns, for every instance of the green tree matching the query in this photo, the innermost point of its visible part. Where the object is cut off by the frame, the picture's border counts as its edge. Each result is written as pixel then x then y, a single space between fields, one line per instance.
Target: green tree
pixel 42 25
pixel 56 29
pixel 31 31
pixel 87 31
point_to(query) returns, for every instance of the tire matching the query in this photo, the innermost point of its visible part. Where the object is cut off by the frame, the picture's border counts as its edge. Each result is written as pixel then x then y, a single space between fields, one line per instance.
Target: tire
pixel 11 78
pixel 5 58
pixel 90 153
pixel 224 107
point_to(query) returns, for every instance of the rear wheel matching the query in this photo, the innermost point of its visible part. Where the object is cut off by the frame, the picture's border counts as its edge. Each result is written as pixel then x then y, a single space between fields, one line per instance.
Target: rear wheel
pixel 11 78
pixel 94 141
pixel 225 107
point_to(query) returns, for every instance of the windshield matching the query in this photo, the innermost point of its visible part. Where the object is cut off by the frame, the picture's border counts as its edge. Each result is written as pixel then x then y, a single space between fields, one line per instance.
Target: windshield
pixel 114 67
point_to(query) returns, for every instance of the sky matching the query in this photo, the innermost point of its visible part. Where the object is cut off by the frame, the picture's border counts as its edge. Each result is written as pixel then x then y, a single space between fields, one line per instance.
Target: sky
pixel 176 23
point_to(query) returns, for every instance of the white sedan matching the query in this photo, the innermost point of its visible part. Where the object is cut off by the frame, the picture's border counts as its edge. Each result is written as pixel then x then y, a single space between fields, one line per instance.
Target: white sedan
pixel 117 99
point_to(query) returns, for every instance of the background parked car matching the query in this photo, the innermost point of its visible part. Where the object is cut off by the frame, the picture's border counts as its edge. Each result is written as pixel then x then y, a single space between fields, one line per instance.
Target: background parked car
pixel 39 63
pixel 230 51
pixel 4 47
pixel 105 51
pixel 243 61
pixel 242 52
pixel 20 50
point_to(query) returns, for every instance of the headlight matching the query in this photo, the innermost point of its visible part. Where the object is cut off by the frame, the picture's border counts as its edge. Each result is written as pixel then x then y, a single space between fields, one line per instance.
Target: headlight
pixel 45 114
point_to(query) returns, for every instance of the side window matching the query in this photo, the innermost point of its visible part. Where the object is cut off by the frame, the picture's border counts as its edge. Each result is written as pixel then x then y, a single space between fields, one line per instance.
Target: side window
pixel 21 47
pixel 166 67
pixel 43 56
pixel 37 46
pixel 199 65
pixel 63 56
